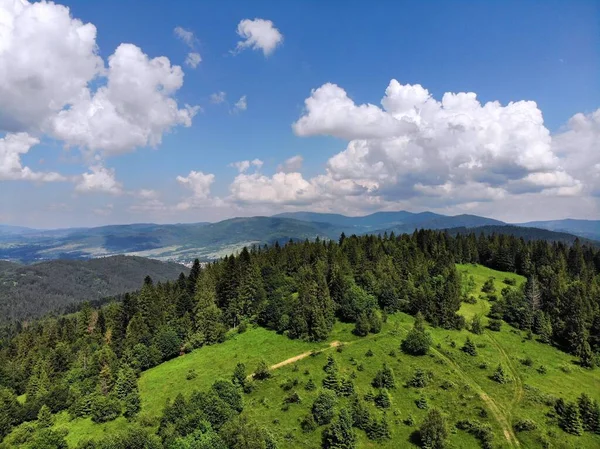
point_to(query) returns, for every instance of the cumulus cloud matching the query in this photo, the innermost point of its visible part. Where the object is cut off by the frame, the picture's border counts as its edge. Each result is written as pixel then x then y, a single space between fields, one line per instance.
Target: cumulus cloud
pixel 199 183
pixel 281 188
pixel 99 179
pixel 240 105
pixel 415 145
pixel 293 164
pixel 12 146
pixel 54 82
pixel 258 34
pixel 217 97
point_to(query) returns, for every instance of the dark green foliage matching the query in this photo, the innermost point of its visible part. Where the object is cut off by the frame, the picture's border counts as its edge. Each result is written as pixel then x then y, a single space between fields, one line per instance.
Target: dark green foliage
pixel 469 347
pixel 433 431
pixel 346 387
pixel 323 407
pixel 418 341
pixel 239 375
pixel 476 326
pixel 499 375
pixel 47 439
pixel 361 417
pixel 44 417
pixel 240 433
pixel 369 353
pixel 524 425
pixel 126 382
pixel 132 405
pixel 420 379
pixel 589 411
pixel 570 420
pixel 382 399
pixel 168 342
pixel 384 378
pixel 422 403
pixel 310 385
pixel 308 423
pixel 340 435
pixel 330 365
pixel 488 286
pixel 262 371
pixel 378 430
pixel 481 431
pixel 104 408
pixel 495 325
pixel 363 326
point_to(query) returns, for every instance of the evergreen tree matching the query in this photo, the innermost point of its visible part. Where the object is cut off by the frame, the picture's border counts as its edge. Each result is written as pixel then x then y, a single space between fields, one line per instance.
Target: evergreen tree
pixel 323 407
pixel 418 341
pixel 360 414
pixel 433 432
pixel 209 318
pixel 239 375
pixel 44 417
pixel 126 382
pixel 340 435
pixel 384 378
pixel 499 375
pixel 469 347
pixel 362 326
pixel 588 411
pixel 570 421
pixel 382 399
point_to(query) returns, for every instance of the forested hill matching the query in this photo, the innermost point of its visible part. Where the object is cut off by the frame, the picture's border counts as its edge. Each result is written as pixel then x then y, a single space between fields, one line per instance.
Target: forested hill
pixel 85 365
pixel 28 291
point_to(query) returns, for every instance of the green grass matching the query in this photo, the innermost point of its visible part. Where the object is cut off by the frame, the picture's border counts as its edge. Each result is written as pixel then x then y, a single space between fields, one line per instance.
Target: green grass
pixel 474 390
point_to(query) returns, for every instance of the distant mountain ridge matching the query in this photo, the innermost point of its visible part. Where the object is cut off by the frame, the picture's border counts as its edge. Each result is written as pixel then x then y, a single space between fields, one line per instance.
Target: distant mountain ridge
pixel 207 241
pixel 28 291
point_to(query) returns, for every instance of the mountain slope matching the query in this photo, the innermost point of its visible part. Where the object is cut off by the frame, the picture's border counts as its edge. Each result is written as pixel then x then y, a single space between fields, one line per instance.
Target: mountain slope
pixel 583 228
pixel 28 291
pixel 526 234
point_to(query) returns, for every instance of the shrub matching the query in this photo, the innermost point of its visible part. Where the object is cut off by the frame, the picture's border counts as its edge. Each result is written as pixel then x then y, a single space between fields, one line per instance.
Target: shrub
pixel 369 353
pixel 384 378
pixel 104 408
pixel 499 375
pixel 509 281
pixel 476 325
pixel 495 325
pixel 488 286
pixel 422 403
pixel 308 423
pixel 433 432
pixel 310 385
pixel 262 371
pixel 293 398
pixel 191 374
pixel 527 361
pixel 524 425
pixel 418 341
pixel 420 379
pixel 382 399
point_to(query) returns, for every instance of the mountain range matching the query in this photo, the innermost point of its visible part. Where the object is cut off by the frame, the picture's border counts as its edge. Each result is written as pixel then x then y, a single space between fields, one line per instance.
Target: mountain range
pixel 184 242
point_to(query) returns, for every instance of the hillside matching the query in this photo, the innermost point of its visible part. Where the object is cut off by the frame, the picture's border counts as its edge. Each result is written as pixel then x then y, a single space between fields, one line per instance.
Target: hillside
pixel 305 344
pixel 583 228
pixel 524 233
pixel 179 242
pixel 29 291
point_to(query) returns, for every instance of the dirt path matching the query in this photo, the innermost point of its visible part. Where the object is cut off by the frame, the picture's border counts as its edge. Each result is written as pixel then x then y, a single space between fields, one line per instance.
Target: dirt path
pixel 500 417
pixel 333 344
pixel 518 382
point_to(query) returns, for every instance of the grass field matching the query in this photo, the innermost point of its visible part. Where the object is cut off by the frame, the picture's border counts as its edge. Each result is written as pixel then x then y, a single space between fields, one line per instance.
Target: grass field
pixel 473 394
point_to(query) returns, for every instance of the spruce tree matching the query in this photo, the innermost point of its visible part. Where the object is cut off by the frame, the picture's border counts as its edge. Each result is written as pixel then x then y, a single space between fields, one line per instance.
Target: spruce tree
pixel 469 347
pixel 384 378
pixel 340 435
pixel 360 414
pixel 588 411
pixel 44 417
pixel 362 326
pixel 126 382
pixel 418 340
pixel 382 399
pixel 571 421
pixel 239 375
pixel 499 375
pixel 323 407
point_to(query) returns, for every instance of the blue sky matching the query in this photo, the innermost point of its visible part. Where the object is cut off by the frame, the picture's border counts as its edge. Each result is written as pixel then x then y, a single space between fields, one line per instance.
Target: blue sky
pixel 546 52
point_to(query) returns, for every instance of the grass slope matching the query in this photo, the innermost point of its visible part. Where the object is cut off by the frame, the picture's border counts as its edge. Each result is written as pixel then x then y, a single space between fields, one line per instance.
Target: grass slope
pixel 473 395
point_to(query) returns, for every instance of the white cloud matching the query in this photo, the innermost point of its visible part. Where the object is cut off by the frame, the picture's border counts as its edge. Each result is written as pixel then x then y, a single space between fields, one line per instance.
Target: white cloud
pixel 242 166
pixel 47 59
pixel 134 109
pixel 104 211
pixel 217 97
pixel 193 59
pixel 414 145
pixel 281 188
pixel 186 36
pixel 293 164
pixel 54 82
pixel 12 146
pixel 99 179
pixel 198 182
pixel 240 105
pixel 258 34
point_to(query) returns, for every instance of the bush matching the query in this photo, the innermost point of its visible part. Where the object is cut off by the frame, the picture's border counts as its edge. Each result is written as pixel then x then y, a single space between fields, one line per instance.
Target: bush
pixel 384 378
pixel 495 325
pixel 369 353
pixel 310 385
pixel 509 281
pixel 488 286
pixel 418 341
pixel 542 369
pixel 433 432
pixel 262 371
pixel 420 379
pixel 293 398
pixel 308 423
pixel 191 374
pixel 422 403
pixel 476 325
pixel 527 361
pixel 499 375
pixel 524 425
pixel 382 399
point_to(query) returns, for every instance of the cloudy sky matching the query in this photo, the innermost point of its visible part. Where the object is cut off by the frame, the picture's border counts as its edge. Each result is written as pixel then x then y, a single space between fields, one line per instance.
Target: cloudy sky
pixel 122 112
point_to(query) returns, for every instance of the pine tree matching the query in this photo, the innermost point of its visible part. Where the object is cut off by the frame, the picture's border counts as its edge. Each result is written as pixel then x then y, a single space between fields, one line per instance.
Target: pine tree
pixel 499 375
pixel 126 382
pixel 340 435
pixel 382 399
pixel 239 375
pixel 346 387
pixel 209 318
pixel 322 408
pixel 132 404
pixel 543 326
pixel 362 326
pixel 469 347
pixel 330 365
pixel 418 341
pixel 331 381
pixel 360 414
pixel 44 417
pixel 384 378
pixel 570 422
pixel 588 411
pixel 533 294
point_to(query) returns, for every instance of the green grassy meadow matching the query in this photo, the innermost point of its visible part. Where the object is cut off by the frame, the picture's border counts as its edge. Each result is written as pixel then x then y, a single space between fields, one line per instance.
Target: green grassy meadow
pixel 472 394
